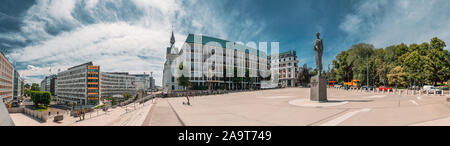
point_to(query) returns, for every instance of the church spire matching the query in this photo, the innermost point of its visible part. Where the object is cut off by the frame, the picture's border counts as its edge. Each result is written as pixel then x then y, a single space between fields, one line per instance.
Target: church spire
pixel 172 39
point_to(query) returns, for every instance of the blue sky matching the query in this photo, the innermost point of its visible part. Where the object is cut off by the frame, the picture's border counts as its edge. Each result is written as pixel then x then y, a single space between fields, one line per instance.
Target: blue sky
pixel 45 36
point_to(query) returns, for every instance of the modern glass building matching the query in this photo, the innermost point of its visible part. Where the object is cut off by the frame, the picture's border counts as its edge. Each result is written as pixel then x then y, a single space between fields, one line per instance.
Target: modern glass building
pixel 49 84
pixel 18 89
pixel 214 63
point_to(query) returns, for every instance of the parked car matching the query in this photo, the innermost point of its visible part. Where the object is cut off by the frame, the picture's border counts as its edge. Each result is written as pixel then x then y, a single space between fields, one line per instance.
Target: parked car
pixel 431 89
pixel 367 87
pixel 337 86
pixel 15 104
pixel 384 88
pixel 445 88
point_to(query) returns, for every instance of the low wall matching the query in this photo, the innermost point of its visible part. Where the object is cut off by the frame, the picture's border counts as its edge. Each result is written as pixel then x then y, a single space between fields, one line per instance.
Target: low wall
pixel 42 115
pixel 16 110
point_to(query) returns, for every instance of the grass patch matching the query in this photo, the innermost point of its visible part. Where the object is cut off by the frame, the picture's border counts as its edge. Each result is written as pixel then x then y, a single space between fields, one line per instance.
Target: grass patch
pixel 41 108
pixel 100 106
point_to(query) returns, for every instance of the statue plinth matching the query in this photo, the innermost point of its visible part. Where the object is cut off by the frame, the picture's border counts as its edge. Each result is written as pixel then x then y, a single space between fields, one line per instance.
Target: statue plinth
pixel 318 90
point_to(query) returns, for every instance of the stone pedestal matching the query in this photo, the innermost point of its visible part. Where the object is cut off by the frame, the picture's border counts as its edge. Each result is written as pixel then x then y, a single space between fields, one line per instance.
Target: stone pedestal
pixel 318 90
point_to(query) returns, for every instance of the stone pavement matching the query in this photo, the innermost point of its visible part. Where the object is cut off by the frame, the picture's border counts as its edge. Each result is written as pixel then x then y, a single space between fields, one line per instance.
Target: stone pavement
pixel 120 116
pixel 290 107
pixel 278 107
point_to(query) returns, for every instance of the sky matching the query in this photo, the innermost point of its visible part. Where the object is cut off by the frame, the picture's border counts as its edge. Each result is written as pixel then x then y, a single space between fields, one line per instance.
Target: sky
pixel 43 37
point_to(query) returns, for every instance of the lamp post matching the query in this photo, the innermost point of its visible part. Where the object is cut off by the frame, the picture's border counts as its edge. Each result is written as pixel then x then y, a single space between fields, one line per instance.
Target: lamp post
pixel 367 64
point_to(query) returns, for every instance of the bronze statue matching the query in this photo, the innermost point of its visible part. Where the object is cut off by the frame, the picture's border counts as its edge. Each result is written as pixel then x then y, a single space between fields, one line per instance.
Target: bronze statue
pixel 318 48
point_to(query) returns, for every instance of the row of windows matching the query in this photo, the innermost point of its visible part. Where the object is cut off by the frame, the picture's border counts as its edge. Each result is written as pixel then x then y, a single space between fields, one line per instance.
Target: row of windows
pixel 290 58
pixel 289 64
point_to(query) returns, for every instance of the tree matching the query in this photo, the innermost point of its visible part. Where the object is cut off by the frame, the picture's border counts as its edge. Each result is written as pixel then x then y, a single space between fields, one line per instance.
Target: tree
pixel 126 96
pixel 35 87
pixel 182 80
pixel 41 97
pixel 439 63
pixel 46 98
pixel 428 62
pixel 304 76
pixel 27 85
pixel 113 101
pixel 396 75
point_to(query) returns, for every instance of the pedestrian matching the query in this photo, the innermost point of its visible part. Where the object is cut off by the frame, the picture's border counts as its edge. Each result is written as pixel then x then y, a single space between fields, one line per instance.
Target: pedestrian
pixel 79 114
pixel 84 113
pixel 187 97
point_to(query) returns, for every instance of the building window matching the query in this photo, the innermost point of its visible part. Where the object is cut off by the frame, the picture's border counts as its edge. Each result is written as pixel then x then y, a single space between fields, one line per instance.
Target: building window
pixel 173 87
pixel 173 79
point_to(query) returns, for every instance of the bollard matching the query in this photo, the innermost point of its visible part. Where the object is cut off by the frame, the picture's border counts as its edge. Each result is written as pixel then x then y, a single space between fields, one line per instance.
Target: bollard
pixel 442 92
pixel 428 93
pixel 383 91
pixel 420 92
pixel 434 92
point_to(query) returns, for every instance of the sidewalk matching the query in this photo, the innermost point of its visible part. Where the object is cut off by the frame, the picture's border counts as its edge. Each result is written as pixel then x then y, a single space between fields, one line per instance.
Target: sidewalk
pixel 120 116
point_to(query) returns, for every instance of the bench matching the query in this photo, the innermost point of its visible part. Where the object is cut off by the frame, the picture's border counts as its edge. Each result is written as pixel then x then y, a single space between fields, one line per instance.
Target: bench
pixel 58 118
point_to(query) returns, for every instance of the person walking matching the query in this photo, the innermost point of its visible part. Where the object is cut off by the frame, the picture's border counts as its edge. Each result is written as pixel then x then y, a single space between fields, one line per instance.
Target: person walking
pixel 187 97
pixel 84 113
pixel 79 114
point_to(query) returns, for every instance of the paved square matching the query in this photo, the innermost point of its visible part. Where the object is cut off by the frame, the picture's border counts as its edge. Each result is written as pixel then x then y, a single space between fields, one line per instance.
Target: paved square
pixel 291 107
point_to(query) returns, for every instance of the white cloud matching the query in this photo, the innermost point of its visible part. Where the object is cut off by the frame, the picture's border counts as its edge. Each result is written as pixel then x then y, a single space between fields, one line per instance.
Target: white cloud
pixel 385 23
pixel 110 39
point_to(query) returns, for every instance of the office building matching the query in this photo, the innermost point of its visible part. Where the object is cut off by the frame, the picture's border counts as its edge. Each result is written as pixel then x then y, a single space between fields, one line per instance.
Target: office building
pixel 17 85
pixel 6 78
pixel 79 85
pixel 142 81
pixel 113 84
pixel 214 63
pixel 49 84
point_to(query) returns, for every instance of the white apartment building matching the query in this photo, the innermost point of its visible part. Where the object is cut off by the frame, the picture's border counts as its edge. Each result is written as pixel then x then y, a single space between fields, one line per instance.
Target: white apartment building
pixel 288 68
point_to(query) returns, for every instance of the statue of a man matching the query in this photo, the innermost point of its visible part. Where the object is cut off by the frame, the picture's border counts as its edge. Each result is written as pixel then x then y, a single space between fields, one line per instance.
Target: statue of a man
pixel 318 48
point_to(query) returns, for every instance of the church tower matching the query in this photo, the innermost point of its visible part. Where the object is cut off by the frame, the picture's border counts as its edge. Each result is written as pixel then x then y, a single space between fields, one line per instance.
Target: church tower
pixel 172 43
pixel 169 80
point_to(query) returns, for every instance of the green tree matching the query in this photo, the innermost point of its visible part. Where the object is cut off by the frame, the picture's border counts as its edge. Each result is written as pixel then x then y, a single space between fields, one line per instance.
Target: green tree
pixel 439 63
pixel 184 82
pixel 35 87
pixel 126 96
pixel 27 85
pixel 397 74
pixel 113 101
pixel 41 98
pixel 46 98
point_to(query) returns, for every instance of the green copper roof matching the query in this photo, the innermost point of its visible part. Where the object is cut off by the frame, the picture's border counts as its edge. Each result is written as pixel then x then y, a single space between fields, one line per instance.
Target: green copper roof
pixel 206 40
